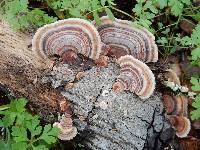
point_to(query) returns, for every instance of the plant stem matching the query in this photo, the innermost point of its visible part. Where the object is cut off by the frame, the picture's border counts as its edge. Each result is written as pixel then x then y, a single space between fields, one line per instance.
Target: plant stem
pixel 123 12
pixel 173 24
pixel 197 7
pixel 173 46
pixel 188 21
pixel 118 10
pixel 100 8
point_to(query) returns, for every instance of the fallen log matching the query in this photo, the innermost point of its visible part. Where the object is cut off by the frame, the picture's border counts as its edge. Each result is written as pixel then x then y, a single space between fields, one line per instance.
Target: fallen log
pixel 21 70
pixel 104 119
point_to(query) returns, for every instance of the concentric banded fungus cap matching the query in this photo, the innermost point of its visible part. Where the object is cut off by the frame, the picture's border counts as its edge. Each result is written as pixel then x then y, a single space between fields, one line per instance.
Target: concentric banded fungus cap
pixel 176 105
pixel 62 36
pixel 169 103
pixel 182 105
pixel 181 124
pixel 124 39
pixel 67 131
pixel 134 76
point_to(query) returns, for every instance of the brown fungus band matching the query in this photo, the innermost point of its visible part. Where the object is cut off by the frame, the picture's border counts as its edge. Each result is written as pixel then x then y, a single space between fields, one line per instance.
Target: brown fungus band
pixel 181 124
pixel 67 130
pixel 176 105
pixel 135 76
pixel 63 36
pixel 123 39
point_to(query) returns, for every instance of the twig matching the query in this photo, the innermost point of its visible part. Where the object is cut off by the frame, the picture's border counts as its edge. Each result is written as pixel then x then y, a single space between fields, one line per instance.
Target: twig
pixel 123 12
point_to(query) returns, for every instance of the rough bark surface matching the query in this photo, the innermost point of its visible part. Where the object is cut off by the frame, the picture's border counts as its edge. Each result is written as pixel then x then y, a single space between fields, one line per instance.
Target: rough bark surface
pixel 21 69
pixel 112 120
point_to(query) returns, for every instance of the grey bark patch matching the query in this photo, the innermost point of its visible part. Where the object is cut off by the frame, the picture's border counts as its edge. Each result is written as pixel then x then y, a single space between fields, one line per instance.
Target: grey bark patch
pixel 59 75
pixel 112 120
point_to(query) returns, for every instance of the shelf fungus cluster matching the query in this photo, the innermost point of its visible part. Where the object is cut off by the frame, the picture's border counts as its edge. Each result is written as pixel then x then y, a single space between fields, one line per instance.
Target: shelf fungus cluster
pixel 134 76
pixel 124 39
pixel 176 109
pixel 72 38
pixel 177 106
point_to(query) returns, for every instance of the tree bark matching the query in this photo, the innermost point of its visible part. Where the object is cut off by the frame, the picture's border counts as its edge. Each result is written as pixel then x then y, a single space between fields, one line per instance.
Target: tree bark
pixel 21 70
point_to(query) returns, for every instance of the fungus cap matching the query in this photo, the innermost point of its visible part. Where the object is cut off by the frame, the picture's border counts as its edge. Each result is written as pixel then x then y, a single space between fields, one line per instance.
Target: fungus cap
pixel 125 39
pixel 135 76
pixel 182 105
pixel 69 34
pixel 176 105
pixel 67 130
pixel 66 133
pixel 169 104
pixel 181 124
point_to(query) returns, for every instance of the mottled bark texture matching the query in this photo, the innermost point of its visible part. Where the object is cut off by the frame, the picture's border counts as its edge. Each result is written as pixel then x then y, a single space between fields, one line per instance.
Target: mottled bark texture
pixel 111 121
pixel 105 119
pixel 21 70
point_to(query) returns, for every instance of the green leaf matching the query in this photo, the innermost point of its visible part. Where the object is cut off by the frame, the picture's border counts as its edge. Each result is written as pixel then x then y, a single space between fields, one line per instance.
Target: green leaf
pixel 187 2
pixel 162 40
pixel 96 18
pixel 33 126
pixel 103 2
pixel 144 22
pixel 195 35
pixel 110 14
pixel 111 2
pixel 153 9
pixel 9 119
pixel 4 107
pixel 40 147
pixel 195 114
pixel 137 9
pixel 4 145
pixel 176 7
pixel 196 84
pixel 19 146
pixel 186 41
pixel 162 3
pixel 19 134
pixel 196 17
pixel 75 12
pixel 49 134
pixel 18 105
pixel 195 53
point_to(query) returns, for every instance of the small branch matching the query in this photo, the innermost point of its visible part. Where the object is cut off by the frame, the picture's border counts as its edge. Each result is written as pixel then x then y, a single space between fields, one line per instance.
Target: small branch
pixel 118 10
pixel 173 46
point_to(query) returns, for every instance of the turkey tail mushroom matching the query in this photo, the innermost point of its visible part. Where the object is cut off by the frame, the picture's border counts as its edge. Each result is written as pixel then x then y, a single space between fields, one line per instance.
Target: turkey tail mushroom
pixel 123 39
pixel 181 124
pixel 176 105
pixel 134 76
pixel 67 130
pixel 65 36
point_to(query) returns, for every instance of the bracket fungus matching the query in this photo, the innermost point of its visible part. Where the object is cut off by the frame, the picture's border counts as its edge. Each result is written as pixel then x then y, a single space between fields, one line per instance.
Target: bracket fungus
pixel 67 130
pixel 176 105
pixel 67 36
pixel 134 76
pixel 123 39
pixel 181 124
